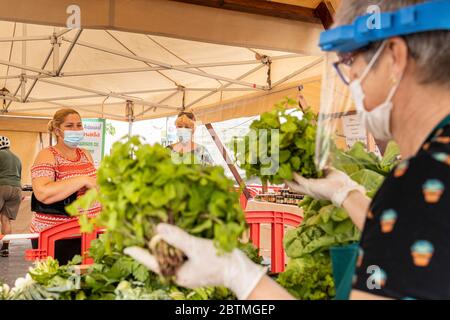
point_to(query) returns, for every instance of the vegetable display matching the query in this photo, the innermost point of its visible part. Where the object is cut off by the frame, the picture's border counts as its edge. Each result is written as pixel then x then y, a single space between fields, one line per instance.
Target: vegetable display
pixel 113 276
pixel 140 186
pixel 293 142
pixel 309 271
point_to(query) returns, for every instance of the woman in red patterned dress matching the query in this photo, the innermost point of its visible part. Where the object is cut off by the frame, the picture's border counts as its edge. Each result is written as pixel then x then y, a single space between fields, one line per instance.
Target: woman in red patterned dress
pixel 60 171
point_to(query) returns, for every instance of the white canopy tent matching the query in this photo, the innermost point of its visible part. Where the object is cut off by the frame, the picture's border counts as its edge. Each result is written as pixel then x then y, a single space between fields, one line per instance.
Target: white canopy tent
pixel 97 70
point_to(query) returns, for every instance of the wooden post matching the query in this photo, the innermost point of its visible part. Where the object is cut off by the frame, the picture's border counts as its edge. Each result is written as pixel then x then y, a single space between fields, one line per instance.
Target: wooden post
pixel 227 159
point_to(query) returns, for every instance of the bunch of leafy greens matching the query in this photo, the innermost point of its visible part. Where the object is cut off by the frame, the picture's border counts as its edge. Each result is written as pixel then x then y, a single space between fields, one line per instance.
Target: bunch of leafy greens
pixel 293 144
pixel 309 271
pixel 309 278
pixel 140 186
pixel 113 276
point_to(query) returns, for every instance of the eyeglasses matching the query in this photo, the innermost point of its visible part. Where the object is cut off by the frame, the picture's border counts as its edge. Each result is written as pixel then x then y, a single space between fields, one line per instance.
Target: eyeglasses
pixel 343 65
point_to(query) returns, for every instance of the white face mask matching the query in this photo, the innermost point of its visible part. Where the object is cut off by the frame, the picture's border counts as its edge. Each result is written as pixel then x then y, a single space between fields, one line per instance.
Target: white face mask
pixel 184 134
pixel 378 120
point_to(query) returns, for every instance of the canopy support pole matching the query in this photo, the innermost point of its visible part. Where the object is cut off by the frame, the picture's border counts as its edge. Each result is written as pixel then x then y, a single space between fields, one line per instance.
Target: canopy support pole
pixel 228 160
pixel 24 38
pixel 168 66
pixel 36 80
pixel 69 51
pixel 159 102
pixel 297 72
pixel 174 91
pixel 23 79
pixel 25 67
pixel 106 94
pixel 188 66
pixel 56 44
pixel 224 86
pixel 130 116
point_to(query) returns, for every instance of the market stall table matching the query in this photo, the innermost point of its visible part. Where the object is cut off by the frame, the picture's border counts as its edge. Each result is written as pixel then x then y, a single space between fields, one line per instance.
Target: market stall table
pixel 253 205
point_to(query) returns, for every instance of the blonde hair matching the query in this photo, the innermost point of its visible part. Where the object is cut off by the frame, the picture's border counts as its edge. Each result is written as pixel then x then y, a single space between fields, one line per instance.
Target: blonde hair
pixel 185 119
pixel 59 117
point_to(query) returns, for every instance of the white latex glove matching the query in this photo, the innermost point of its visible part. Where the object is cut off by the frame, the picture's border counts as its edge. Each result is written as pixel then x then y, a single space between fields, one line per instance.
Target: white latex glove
pixel 204 267
pixel 336 186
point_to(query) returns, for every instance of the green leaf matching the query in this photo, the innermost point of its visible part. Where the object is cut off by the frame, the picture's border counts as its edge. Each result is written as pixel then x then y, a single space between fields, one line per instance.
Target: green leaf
pixel 289 127
pixel 284 156
pixel 207 224
pixel 295 163
pixel 285 172
pixel 158 198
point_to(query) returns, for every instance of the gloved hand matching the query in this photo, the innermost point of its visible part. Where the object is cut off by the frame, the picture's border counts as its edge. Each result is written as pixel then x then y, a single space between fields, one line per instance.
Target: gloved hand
pixel 336 186
pixel 204 267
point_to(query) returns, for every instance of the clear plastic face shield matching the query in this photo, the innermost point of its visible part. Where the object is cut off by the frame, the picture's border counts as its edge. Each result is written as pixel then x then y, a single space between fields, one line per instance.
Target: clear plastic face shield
pixel 336 102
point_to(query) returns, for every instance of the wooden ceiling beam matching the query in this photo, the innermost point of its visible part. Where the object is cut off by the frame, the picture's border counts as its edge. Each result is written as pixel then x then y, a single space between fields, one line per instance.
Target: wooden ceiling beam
pixel 325 12
pixel 266 8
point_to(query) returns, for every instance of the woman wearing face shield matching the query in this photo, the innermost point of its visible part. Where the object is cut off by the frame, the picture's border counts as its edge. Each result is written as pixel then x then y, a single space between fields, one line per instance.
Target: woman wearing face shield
pixel 59 172
pixel 186 147
pixel 399 76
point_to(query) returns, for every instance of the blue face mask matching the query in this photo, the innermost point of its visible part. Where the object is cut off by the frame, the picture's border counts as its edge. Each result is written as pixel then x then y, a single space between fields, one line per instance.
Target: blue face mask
pixel 73 138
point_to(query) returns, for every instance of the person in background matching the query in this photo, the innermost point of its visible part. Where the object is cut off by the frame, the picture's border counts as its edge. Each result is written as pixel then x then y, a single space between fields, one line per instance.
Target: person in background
pixel 185 124
pixel 10 189
pixel 60 171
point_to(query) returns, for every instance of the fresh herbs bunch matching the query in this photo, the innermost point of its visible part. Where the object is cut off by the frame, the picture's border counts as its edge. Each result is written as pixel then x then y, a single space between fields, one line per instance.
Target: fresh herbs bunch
pixel 140 186
pixel 295 146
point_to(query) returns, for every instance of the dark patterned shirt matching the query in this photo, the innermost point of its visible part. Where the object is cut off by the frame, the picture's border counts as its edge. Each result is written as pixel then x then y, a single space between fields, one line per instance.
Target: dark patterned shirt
pixel 405 246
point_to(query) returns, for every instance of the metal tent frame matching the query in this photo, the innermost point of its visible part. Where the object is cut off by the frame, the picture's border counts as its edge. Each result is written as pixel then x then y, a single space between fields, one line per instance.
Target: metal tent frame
pixel 58 72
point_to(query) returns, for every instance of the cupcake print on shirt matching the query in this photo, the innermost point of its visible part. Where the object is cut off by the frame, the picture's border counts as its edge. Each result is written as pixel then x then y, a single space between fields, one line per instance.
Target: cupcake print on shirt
pixel 422 251
pixel 442 157
pixel 379 277
pixel 360 258
pixel 401 169
pixel 443 140
pixel 433 190
pixel 388 220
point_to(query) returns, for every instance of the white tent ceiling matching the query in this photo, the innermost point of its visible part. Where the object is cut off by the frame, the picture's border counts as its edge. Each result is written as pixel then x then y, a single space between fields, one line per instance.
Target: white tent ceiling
pixel 96 71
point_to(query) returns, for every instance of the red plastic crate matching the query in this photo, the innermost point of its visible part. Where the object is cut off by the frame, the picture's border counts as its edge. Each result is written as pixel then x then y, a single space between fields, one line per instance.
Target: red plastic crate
pixel 64 230
pixel 277 220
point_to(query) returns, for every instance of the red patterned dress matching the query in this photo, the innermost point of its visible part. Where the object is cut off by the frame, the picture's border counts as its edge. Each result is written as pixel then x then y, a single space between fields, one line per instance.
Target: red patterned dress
pixel 63 169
